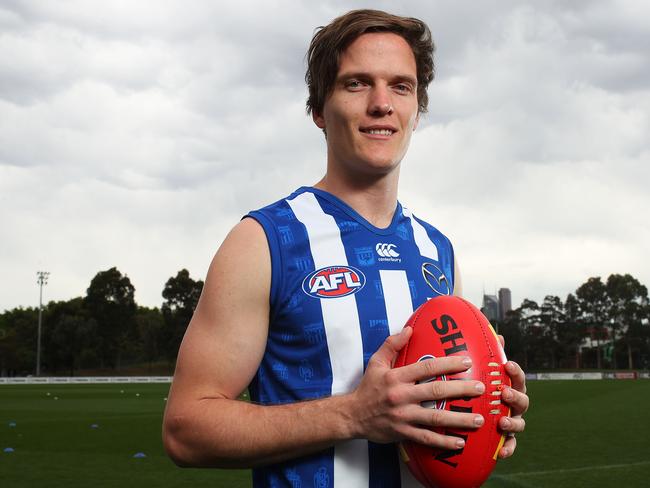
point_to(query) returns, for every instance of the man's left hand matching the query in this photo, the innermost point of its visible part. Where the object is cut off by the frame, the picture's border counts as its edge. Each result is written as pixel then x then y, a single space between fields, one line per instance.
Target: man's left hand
pixel 515 397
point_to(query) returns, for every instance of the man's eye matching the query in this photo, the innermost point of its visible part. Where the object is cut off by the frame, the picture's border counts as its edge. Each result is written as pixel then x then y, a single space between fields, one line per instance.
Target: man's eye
pixel 354 84
pixel 403 88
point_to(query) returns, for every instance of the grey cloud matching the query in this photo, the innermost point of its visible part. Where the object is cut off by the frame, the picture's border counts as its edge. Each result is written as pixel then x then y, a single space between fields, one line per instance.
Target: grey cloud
pixel 137 134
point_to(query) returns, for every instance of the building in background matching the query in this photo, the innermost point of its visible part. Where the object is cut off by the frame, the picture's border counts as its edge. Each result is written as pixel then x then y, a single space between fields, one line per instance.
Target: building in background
pixel 495 307
pixel 505 302
pixel 490 307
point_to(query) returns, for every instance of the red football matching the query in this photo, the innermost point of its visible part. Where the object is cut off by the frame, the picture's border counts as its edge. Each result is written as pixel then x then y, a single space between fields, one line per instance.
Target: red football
pixel 448 326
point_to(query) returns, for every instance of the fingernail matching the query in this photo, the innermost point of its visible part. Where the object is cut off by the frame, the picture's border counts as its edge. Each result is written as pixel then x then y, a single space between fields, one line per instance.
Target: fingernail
pixel 460 443
pixel 507 394
pixel 480 387
pixel 505 452
pixel 478 420
pixel 467 362
pixel 506 423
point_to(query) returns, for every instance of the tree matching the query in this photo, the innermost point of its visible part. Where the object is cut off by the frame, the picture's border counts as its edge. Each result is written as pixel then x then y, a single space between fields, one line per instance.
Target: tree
pixel 573 331
pixel 110 301
pixel 181 294
pixel 627 302
pixel 18 346
pixel 552 319
pixel 8 345
pixel 511 330
pixel 150 325
pixel 531 332
pixel 70 334
pixel 592 297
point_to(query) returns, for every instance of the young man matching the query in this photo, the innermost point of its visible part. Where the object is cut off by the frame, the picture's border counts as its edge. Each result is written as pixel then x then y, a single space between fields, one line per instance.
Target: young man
pixel 302 297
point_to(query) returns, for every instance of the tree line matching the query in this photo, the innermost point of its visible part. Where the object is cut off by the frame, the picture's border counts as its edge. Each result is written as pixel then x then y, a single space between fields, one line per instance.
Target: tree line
pixel 604 324
pixel 601 325
pixel 104 331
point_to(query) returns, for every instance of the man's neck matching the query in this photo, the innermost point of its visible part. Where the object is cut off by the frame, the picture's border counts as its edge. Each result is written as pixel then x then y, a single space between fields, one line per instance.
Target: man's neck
pixel 375 199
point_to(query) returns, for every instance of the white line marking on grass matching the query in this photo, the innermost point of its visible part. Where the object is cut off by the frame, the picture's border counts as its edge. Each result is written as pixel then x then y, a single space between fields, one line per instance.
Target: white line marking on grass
pixel 575 470
pixel 506 482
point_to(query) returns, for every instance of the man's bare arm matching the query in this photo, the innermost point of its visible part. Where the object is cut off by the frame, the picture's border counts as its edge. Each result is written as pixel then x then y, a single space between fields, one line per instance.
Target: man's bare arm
pixel 205 424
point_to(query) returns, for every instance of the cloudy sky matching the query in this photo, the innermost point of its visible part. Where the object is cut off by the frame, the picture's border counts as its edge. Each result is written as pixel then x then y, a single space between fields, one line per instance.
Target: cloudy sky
pixel 136 134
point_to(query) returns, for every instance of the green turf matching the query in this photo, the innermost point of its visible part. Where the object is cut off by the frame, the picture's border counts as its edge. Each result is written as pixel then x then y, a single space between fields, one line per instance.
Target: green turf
pixel 579 433
pixel 582 434
pixel 55 446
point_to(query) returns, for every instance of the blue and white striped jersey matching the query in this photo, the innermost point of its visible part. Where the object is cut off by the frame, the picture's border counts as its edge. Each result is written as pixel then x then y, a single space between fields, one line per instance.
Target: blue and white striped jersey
pixel 339 287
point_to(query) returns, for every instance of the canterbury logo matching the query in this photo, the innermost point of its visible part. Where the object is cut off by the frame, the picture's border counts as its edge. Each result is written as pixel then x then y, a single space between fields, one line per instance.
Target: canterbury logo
pixel 386 250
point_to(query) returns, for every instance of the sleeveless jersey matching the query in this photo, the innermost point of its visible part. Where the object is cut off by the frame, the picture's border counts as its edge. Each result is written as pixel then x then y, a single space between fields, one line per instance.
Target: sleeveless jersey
pixel 339 287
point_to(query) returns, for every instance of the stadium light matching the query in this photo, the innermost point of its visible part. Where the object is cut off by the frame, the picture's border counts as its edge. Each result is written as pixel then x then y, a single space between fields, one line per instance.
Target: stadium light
pixel 42 280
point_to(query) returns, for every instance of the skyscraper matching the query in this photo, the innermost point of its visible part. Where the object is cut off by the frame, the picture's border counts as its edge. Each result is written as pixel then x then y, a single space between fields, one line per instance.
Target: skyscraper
pixel 505 302
pixel 495 308
pixel 490 307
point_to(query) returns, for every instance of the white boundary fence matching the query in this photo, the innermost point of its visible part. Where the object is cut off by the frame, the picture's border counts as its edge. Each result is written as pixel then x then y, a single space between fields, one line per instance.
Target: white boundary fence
pixel 78 380
pixel 597 375
pixel 569 376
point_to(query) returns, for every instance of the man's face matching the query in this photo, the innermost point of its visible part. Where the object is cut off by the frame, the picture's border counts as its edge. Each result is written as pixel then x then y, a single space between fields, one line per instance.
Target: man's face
pixel 373 109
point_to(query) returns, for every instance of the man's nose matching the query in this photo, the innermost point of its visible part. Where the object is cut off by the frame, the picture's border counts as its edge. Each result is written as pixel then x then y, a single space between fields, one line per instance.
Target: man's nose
pixel 380 103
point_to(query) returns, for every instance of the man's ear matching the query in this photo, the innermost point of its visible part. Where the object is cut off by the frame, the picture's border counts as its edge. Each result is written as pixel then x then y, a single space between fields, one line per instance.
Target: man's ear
pixel 318 119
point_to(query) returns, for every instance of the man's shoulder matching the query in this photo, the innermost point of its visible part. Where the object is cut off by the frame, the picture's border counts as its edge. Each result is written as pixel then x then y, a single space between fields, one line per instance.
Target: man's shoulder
pixel 416 219
pixel 279 207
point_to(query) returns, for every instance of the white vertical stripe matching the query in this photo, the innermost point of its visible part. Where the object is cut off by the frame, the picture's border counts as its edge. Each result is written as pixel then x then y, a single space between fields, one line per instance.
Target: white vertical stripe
pixel 343 332
pixel 397 297
pixel 399 308
pixel 425 245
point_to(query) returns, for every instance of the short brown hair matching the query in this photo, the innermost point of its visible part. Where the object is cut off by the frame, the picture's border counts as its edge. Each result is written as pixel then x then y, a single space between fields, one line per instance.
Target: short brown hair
pixel 331 40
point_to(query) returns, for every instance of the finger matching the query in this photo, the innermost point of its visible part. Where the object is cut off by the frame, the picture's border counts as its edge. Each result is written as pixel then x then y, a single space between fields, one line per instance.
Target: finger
pixel 431 368
pixel 388 351
pixel 433 417
pixel 517 401
pixel 508 447
pixel 439 390
pixel 512 424
pixel 428 437
pixel 517 376
pixel 502 341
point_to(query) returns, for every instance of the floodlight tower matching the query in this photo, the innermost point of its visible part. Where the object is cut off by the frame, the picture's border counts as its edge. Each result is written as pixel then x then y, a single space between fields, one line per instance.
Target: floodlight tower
pixel 42 280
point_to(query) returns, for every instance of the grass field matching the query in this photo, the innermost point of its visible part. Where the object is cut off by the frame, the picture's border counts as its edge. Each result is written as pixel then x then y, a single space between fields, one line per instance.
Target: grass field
pixel 579 434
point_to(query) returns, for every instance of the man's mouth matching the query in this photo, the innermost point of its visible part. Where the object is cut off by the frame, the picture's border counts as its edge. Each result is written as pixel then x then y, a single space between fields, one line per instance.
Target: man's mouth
pixel 379 132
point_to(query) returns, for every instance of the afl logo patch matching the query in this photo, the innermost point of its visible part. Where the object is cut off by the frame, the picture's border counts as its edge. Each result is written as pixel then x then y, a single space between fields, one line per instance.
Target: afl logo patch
pixel 333 282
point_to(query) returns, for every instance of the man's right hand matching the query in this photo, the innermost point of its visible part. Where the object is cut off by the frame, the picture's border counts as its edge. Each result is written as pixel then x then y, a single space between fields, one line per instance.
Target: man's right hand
pixel 387 406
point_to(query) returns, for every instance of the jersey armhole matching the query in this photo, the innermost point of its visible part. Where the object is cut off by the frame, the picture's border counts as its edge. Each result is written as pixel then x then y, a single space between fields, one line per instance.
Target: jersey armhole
pixel 453 265
pixel 428 228
pixel 276 256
